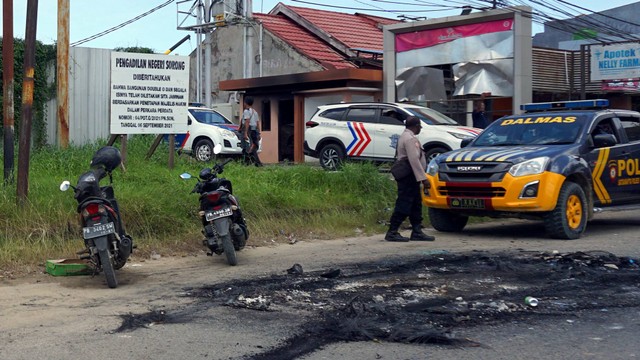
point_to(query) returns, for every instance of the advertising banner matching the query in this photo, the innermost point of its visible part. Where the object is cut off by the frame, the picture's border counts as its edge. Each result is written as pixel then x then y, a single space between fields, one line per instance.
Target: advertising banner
pixel 610 62
pixel 481 41
pixel 149 93
pixel 628 85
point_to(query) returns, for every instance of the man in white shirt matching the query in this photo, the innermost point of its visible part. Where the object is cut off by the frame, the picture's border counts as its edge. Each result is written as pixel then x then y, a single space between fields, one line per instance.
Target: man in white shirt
pixel 251 130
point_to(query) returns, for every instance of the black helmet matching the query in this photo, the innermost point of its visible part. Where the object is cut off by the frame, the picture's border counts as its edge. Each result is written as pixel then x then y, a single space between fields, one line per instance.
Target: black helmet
pixel 107 157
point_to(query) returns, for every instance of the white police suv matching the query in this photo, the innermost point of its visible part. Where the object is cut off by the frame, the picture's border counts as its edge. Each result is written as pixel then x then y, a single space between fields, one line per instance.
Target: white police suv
pixel 370 131
pixel 207 128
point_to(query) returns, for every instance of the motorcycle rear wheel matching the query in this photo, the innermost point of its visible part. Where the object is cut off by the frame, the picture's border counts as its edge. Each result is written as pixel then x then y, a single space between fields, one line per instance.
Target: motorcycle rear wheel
pixel 107 268
pixel 229 250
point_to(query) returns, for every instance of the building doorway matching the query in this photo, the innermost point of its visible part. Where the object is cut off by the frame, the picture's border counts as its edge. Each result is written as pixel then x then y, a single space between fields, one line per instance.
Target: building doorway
pixel 285 130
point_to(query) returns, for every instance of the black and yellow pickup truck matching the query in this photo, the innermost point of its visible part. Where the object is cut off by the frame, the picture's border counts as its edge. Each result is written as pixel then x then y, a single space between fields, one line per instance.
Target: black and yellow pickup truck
pixel 560 162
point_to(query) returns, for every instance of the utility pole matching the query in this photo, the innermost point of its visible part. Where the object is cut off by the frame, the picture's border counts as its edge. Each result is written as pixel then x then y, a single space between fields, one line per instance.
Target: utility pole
pixel 8 87
pixel 199 52
pixel 247 14
pixel 63 73
pixel 24 148
pixel 207 54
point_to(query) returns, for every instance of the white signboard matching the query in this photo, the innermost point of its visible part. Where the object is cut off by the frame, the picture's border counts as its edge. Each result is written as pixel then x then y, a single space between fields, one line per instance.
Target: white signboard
pixel 609 62
pixel 149 93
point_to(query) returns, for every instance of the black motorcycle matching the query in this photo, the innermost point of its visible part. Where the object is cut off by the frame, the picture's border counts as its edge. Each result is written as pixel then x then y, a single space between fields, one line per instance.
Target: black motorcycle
pixel 107 245
pixel 224 227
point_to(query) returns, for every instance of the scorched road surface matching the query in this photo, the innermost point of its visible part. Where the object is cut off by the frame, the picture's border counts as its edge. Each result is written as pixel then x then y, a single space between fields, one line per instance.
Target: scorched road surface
pixel 460 297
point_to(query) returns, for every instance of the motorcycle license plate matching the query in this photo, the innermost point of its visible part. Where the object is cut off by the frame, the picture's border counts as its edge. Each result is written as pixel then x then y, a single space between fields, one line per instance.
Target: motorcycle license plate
pixel 217 214
pixel 98 230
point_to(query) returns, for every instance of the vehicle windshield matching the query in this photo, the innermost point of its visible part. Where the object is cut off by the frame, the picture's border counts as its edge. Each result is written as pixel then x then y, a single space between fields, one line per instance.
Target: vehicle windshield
pixel 207 116
pixel 530 129
pixel 431 116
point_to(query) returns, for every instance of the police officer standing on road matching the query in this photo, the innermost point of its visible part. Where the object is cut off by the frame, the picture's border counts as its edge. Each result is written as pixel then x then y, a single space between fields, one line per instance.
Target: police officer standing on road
pixel 409 200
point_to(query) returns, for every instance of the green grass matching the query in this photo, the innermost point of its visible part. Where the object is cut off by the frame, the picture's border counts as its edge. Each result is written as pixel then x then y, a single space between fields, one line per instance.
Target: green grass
pixel 278 201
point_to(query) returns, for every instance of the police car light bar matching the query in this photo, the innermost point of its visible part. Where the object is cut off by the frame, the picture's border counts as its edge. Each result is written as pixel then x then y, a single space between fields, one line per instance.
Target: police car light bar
pixel 578 104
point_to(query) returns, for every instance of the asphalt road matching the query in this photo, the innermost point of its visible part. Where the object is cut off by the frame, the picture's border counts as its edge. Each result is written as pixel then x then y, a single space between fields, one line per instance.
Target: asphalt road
pixel 79 317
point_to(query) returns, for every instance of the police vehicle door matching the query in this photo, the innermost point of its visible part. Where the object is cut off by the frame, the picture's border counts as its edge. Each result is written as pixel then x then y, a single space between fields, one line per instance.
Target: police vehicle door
pixel 391 125
pixel 604 163
pixel 362 124
pixel 629 176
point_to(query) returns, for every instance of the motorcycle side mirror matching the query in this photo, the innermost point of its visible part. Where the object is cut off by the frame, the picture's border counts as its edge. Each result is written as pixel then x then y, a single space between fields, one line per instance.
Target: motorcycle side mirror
pixel 65 185
pixel 217 149
pixel 185 176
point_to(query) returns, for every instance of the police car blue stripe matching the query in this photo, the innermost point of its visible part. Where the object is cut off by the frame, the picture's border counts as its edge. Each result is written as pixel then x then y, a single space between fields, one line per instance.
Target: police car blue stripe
pixel 355 137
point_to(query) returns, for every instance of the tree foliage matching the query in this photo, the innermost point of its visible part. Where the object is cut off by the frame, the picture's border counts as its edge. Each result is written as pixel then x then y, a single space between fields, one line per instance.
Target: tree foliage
pixel 135 49
pixel 43 89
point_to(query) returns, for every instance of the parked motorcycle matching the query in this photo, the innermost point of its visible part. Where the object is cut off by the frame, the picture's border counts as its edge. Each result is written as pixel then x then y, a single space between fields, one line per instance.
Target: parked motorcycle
pixel 107 245
pixel 224 227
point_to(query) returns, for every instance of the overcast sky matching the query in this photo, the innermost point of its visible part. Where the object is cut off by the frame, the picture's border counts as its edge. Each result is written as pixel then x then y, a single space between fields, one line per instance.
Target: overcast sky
pixel 158 30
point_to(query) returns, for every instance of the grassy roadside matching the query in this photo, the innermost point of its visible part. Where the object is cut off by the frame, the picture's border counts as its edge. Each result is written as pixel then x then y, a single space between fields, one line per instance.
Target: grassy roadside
pixel 279 202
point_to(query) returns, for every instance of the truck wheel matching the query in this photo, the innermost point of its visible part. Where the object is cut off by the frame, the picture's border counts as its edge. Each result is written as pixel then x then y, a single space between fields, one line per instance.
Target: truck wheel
pixel 331 157
pixel 203 151
pixel 432 153
pixel 446 220
pixel 569 219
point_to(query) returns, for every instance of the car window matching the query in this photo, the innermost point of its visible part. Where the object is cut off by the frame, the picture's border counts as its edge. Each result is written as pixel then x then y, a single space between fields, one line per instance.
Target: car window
pixel 631 126
pixel 604 126
pixel 335 114
pixel 543 129
pixel 431 116
pixel 210 117
pixel 362 115
pixel 391 116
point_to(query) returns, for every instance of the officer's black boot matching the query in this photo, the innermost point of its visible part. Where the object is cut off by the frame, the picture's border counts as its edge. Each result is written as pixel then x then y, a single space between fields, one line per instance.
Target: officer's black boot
pixel 418 235
pixel 393 234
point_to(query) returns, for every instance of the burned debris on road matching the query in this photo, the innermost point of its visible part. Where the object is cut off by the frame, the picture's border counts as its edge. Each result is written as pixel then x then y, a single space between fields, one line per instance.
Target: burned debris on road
pixel 427 299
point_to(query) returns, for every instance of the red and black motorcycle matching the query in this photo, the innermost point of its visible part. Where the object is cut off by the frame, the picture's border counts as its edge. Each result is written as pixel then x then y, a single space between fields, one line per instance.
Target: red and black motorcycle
pixel 224 227
pixel 107 245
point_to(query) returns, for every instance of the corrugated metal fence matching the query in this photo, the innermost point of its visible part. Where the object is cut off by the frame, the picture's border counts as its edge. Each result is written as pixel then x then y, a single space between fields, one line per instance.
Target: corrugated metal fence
pixel 89 89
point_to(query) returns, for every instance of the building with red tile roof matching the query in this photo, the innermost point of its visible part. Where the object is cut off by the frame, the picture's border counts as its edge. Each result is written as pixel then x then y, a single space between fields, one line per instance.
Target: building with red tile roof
pixel 334 39
pixel 351 31
pixel 292 59
pixel 304 41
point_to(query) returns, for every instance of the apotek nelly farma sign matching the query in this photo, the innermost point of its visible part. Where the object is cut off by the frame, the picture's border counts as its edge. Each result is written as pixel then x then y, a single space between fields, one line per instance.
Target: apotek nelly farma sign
pixel 621 61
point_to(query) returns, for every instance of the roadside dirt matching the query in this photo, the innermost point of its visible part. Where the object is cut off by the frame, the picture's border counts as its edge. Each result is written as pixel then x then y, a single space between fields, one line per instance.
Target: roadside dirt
pixel 351 290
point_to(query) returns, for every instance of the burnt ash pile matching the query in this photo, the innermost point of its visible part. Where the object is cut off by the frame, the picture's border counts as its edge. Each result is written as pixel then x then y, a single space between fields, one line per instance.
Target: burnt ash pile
pixel 425 299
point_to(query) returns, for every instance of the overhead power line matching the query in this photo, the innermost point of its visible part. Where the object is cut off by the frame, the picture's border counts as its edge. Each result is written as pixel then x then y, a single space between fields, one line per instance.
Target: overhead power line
pixel 372 9
pixel 93 37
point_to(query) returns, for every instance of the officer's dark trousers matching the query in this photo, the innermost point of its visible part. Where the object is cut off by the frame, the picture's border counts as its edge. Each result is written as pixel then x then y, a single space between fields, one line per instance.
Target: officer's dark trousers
pixel 408 203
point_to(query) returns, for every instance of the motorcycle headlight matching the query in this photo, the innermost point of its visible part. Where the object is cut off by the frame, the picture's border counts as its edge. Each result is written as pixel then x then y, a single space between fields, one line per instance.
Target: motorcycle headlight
pixel 432 168
pixel 460 136
pixel 529 167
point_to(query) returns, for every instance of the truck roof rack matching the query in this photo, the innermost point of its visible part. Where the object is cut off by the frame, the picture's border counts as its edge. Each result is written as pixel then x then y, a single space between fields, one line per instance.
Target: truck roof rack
pixel 566 105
